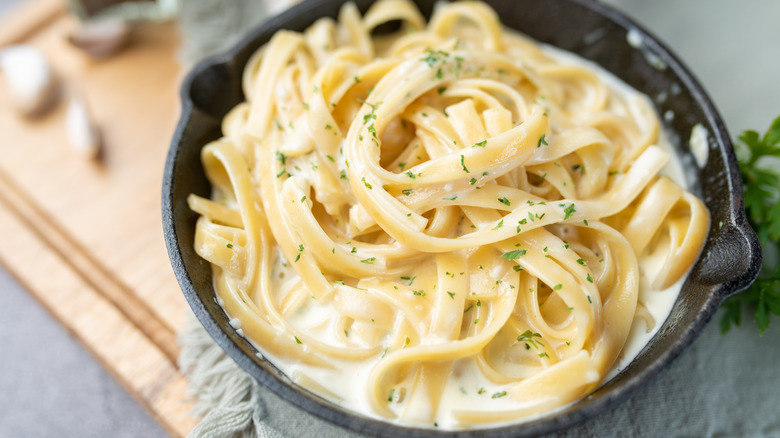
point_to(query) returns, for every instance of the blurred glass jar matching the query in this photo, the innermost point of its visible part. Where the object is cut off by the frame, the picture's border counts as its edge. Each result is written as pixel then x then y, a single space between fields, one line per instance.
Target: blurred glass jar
pixel 126 10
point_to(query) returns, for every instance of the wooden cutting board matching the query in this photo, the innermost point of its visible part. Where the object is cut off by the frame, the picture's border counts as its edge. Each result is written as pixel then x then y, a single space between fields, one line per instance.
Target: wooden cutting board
pixel 85 236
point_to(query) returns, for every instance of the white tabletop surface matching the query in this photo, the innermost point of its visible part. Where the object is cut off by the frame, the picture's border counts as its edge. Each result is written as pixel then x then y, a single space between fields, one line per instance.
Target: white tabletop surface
pixel 51 386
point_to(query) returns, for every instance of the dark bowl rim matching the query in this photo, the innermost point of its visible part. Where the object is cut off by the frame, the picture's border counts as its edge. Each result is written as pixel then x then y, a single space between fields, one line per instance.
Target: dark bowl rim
pixel 737 226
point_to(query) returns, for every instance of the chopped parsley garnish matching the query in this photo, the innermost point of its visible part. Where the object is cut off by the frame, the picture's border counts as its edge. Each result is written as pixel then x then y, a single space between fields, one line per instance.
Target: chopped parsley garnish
pixel 541 141
pixel 480 144
pixel 569 211
pixel 451 294
pixel 369 260
pixel 434 57
pixel 297 341
pixel 463 164
pixel 498 394
pixel 529 338
pixel 504 201
pixel 230 245
pixel 514 255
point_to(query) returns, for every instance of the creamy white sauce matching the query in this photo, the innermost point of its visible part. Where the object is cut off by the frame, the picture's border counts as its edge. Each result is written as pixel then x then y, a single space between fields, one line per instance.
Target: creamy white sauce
pixel 467 388
pixel 699 145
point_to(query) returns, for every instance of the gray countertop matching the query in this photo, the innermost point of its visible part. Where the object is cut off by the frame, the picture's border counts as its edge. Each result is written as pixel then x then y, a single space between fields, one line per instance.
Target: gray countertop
pixel 52 386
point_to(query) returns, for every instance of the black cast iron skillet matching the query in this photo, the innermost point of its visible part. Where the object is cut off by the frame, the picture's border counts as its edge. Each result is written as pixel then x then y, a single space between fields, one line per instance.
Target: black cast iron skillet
pixel 729 262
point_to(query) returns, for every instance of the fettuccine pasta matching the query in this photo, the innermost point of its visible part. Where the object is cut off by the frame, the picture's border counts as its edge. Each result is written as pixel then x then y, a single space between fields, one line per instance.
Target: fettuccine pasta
pixel 449 225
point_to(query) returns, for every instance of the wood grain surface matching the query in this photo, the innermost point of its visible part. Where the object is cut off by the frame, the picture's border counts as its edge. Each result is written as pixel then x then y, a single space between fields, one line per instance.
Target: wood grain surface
pixel 85 236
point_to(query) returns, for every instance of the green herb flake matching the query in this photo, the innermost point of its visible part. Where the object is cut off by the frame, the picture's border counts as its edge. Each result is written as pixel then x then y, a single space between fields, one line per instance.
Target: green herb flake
pixel 451 294
pixel 529 338
pixel 297 341
pixel 541 141
pixel 230 245
pixel 480 144
pixel 515 254
pixel 463 164
pixel 369 260
pixel 569 211
pixel 504 201
pixel 498 394
pixel 557 286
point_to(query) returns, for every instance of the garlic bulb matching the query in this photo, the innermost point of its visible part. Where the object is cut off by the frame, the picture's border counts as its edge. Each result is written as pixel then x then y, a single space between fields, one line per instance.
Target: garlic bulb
pixel 83 134
pixel 30 80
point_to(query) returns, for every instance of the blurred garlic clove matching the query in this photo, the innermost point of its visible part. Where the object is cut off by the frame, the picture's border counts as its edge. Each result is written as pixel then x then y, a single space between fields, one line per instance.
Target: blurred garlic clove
pixel 101 38
pixel 31 82
pixel 83 134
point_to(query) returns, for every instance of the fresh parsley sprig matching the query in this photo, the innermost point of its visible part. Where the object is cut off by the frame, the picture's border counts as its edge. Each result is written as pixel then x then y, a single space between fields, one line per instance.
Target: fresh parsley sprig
pixel 759 163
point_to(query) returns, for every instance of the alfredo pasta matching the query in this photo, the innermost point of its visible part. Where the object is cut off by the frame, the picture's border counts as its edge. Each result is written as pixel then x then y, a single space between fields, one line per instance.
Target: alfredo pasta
pixel 448 226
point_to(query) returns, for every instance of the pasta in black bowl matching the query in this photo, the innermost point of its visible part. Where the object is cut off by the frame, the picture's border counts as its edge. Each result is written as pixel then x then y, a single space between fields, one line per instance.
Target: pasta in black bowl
pixel 415 225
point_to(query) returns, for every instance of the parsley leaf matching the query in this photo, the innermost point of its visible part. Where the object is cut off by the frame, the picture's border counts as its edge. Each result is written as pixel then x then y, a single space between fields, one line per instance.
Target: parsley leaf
pixel 761 185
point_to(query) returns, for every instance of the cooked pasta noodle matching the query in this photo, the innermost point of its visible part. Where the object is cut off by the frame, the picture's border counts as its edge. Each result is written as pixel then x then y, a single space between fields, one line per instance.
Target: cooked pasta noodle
pixel 461 222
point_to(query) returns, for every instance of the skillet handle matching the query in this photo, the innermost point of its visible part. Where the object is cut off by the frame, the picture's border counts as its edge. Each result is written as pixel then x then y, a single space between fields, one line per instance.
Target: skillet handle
pixel 732 259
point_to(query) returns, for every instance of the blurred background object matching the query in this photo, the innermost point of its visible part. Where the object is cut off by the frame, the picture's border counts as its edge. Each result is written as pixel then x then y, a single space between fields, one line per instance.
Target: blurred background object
pixel 130 10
